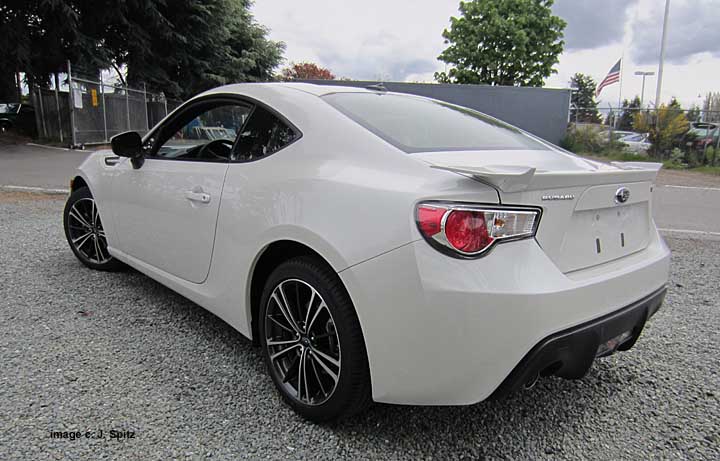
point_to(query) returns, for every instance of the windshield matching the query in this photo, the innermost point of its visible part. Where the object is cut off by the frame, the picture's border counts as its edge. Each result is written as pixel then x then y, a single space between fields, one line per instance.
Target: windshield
pixel 9 108
pixel 415 124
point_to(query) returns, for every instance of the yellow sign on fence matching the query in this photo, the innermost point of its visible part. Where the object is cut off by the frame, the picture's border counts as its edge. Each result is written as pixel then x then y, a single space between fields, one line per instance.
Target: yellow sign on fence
pixel 93 93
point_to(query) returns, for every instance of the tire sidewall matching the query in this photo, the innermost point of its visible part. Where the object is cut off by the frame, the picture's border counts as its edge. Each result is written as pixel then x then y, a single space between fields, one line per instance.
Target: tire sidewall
pixel 82 193
pixel 338 303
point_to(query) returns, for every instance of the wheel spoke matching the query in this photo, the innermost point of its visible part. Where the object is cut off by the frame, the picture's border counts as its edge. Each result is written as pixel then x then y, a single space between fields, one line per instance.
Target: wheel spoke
pixel 292 370
pixel 77 239
pixel 283 351
pixel 302 377
pixel 88 237
pixel 309 308
pixel 324 356
pixel 327 369
pixel 94 214
pixel 277 322
pixel 98 254
pixel 321 306
pixel 79 218
pixel 317 377
pixel 272 342
pixel 282 304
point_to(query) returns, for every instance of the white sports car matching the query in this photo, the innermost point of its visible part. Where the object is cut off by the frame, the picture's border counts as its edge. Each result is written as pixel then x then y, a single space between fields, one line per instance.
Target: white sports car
pixel 379 246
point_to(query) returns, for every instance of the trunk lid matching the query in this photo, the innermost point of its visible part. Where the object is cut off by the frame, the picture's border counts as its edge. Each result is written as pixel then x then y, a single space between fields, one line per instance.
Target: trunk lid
pixel 592 212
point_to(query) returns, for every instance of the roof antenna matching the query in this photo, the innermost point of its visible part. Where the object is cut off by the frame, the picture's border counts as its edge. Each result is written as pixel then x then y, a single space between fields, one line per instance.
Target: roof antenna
pixel 376 87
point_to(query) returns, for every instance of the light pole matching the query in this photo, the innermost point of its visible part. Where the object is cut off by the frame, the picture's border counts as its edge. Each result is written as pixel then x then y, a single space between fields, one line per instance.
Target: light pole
pixel 643 75
pixel 662 54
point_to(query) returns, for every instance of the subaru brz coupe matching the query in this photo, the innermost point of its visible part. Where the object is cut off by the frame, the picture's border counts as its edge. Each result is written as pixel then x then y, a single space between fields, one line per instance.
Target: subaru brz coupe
pixel 379 246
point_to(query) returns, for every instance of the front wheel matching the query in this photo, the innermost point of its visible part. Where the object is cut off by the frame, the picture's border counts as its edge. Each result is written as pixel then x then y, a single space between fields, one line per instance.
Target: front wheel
pixel 312 342
pixel 85 233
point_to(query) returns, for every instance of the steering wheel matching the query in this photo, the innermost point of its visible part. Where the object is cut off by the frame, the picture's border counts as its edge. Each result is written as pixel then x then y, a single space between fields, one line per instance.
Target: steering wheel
pixel 223 145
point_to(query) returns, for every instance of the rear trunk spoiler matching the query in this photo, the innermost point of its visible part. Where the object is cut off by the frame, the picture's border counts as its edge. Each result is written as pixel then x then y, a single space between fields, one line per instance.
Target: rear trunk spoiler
pixel 513 178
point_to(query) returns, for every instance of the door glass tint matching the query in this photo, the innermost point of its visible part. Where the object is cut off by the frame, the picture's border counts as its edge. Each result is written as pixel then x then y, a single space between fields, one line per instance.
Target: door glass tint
pixel 208 136
pixel 263 135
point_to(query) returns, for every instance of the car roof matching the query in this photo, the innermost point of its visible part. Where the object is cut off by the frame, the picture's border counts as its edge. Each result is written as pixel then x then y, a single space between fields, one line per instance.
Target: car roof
pixel 314 89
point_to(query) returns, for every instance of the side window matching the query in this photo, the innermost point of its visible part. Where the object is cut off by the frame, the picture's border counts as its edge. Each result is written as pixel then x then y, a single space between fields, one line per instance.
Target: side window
pixel 207 133
pixel 263 135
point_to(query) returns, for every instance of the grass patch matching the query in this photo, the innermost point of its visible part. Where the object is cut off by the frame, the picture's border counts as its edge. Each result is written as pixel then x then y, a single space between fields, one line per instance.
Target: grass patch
pixel 714 170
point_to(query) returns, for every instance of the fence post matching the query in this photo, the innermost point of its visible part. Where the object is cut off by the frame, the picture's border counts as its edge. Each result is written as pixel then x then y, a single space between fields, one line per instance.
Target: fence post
pixel 127 105
pixel 147 120
pixel 39 96
pixel 102 94
pixel 71 96
pixel 57 105
pixel 165 103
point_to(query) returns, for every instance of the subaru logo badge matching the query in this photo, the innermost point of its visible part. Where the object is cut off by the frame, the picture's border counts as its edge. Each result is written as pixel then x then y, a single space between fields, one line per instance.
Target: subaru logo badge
pixel 622 195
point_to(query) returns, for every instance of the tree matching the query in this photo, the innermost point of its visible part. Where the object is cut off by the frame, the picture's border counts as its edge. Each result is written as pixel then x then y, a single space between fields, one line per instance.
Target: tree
pixel 179 47
pixel 629 109
pixel 583 107
pixel 306 71
pixel 693 114
pixel 187 46
pixel 711 106
pixel 665 127
pixel 502 42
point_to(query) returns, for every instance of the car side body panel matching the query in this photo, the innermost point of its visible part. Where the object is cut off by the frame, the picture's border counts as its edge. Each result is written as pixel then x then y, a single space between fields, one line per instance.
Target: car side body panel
pixel 318 191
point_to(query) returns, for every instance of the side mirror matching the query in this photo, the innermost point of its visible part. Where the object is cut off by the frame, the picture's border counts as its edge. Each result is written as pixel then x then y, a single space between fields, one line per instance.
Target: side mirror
pixel 129 144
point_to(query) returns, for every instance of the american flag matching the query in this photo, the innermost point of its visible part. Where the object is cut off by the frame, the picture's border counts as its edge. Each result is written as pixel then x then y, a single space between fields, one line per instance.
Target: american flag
pixel 612 77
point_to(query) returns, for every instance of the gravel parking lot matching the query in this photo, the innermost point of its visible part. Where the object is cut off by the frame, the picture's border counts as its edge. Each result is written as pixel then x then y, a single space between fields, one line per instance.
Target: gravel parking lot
pixel 90 351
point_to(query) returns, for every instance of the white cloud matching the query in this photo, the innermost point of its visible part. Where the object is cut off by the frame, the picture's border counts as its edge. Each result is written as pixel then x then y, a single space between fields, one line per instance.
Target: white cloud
pixel 401 39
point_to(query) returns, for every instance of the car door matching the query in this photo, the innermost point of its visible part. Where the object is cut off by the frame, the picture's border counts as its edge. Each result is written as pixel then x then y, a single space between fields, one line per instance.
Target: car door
pixel 165 211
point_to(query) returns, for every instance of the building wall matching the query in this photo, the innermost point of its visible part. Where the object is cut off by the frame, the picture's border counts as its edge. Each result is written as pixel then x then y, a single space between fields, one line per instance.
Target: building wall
pixel 541 111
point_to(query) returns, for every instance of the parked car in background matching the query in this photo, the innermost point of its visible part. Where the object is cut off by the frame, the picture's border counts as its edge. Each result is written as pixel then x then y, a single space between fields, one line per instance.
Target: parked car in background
pixel 702 135
pixel 379 246
pixel 20 117
pixel 636 143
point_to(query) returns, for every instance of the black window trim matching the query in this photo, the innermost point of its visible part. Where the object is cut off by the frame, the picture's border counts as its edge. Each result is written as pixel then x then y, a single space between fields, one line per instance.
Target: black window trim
pixel 222 97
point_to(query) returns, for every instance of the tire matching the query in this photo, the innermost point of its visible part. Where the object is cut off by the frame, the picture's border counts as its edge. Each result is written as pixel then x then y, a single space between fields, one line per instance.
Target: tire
pixel 85 235
pixel 5 126
pixel 327 342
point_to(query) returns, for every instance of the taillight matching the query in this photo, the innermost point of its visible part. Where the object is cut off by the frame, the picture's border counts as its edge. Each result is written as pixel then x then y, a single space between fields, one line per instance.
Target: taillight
pixel 471 230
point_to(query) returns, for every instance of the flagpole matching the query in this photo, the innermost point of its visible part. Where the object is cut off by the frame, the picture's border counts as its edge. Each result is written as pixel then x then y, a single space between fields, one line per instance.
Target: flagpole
pixel 622 64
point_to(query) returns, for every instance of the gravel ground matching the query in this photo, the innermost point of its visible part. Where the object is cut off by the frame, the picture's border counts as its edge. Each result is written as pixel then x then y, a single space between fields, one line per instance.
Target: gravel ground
pixel 89 351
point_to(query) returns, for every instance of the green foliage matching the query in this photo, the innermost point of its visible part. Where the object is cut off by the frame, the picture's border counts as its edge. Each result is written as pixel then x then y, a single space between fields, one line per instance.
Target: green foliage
pixel 665 127
pixel 630 108
pixel 583 107
pixel 693 114
pixel 677 156
pixel 179 47
pixel 502 42
pixel 710 155
pixel 585 139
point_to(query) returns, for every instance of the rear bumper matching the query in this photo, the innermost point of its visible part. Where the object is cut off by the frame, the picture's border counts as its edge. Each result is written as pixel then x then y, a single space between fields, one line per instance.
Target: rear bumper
pixel 570 353
pixel 444 331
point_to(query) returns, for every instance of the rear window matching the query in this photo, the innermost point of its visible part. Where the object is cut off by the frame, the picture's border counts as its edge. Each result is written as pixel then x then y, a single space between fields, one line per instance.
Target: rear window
pixel 415 124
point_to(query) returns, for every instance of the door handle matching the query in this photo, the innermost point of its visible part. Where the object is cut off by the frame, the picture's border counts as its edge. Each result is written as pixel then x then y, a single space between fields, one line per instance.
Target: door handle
pixel 202 197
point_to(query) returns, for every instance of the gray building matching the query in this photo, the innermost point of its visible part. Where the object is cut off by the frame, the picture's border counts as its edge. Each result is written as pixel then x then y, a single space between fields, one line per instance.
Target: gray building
pixel 541 111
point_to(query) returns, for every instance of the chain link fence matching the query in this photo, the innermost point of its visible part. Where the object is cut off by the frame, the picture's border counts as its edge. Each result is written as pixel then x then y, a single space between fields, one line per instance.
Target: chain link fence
pixel 690 137
pixel 92 112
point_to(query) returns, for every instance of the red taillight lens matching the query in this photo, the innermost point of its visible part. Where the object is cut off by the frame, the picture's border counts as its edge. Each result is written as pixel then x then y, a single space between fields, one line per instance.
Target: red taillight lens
pixel 467 231
pixel 430 219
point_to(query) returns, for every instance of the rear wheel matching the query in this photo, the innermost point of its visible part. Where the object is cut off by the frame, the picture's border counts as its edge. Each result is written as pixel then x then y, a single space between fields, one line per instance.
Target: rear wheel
pixel 312 342
pixel 85 233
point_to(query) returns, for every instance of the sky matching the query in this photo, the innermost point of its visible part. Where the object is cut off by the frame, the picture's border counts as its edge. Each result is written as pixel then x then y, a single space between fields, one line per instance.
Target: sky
pixel 399 40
